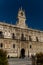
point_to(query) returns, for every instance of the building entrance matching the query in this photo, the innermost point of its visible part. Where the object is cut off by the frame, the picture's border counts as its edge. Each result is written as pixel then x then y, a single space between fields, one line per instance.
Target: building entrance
pixel 22 53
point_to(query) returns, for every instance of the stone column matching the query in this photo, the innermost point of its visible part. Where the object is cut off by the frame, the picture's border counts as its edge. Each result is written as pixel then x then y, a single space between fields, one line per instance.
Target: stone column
pixel 26 52
pixel 18 52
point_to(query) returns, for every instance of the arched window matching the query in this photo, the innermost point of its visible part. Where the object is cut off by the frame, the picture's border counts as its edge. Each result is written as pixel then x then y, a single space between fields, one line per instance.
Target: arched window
pixel 21 13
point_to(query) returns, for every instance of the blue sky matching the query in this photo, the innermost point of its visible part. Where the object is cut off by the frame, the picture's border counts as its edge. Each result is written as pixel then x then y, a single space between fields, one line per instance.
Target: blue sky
pixel 33 10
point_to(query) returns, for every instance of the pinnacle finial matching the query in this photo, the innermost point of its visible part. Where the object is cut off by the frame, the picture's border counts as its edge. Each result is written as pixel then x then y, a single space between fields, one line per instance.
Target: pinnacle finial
pixel 20 8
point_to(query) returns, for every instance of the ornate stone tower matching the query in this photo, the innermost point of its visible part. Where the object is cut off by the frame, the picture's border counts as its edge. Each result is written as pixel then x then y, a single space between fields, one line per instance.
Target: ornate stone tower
pixel 21 19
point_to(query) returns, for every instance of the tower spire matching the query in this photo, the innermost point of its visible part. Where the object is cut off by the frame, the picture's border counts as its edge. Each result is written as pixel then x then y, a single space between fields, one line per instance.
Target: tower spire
pixel 21 18
pixel 20 8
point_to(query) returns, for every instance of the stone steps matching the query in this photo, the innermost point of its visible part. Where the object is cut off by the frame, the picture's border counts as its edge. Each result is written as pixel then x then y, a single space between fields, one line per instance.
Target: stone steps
pixel 17 61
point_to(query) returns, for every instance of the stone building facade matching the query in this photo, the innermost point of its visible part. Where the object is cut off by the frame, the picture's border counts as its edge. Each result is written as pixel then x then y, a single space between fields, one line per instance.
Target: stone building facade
pixel 18 39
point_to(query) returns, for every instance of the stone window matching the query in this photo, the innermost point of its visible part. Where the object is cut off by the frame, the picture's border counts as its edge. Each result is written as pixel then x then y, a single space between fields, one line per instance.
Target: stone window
pixel 13 45
pixel 37 39
pixel 1 45
pixel 13 36
pixel 30 39
pixel 30 46
pixel 22 37
pixel 1 34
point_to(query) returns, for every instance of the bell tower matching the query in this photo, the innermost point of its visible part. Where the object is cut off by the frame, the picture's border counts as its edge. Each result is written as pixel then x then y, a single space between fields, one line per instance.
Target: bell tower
pixel 21 19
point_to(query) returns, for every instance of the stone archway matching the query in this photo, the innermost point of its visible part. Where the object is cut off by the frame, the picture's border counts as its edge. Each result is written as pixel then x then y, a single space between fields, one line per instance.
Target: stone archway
pixel 22 53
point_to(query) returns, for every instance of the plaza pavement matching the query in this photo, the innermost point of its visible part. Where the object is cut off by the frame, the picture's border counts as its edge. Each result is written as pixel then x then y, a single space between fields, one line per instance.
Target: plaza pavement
pixel 19 61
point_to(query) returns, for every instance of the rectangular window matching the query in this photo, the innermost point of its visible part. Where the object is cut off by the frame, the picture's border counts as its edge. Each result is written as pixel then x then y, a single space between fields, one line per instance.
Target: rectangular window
pixel 37 39
pixel 13 35
pixel 1 34
pixel 13 45
pixel 1 45
pixel 30 46
pixel 30 39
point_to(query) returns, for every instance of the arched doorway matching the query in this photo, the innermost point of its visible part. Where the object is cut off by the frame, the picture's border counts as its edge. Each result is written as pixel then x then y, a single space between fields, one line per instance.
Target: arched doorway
pixel 22 53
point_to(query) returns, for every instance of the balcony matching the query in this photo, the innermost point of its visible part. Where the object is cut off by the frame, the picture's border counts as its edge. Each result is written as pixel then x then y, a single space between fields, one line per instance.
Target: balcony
pixel 23 38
